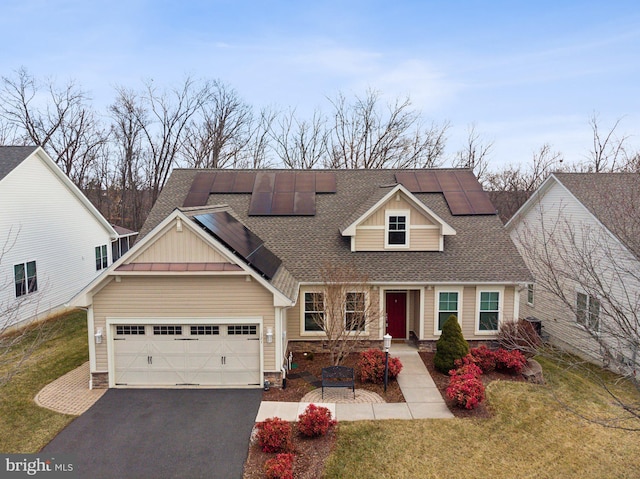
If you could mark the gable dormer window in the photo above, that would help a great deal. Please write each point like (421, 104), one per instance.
(397, 229)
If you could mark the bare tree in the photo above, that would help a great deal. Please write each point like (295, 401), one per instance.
(345, 309)
(589, 282)
(366, 135)
(300, 143)
(608, 149)
(215, 137)
(474, 154)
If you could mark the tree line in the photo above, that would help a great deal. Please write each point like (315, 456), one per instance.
(122, 157)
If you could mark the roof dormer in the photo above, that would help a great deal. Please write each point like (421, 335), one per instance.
(398, 222)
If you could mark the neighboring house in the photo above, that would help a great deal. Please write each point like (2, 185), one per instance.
(53, 241)
(225, 278)
(580, 236)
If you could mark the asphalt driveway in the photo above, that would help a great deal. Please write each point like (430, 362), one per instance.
(162, 433)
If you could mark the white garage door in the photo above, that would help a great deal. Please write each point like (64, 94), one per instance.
(225, 355)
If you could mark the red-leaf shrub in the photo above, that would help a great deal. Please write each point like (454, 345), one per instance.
(279, 467)
(371, 366)
(274, 435)
(315, 421)
(484, 357)
(466, 369)
(510, 361)
(466, 390)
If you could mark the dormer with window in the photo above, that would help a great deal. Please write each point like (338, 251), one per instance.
(398, 222)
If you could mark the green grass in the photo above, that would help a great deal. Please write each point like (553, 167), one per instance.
(531, 435)
(24, 426)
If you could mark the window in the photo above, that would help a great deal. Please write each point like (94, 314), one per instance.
(489, 310)
(447, 305)
(313, 311)
(25, 278)
(397, 230)
(530, 294)
(242, 330)
(129, 330)
(355, 318)
(205, 330)
(588, 311)
(101, 257)
(167, 330)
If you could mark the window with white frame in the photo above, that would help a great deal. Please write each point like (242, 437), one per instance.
(447, 305)
(25, 278)
(355, 315)
(530, 294)
(397, 229)
(588, 311)
(489, 311)
(101, 257)
(313, 311)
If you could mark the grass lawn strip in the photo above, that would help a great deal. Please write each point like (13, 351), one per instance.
(24, 426)
(530, 436)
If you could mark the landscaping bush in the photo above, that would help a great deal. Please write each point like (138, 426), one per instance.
(274, 435)
(371, 366)
(465, 368)
(484, 357)
(450, 346)
(510, 361)
(279, 467)
(520, 335)
(315, 421)
(466, 390)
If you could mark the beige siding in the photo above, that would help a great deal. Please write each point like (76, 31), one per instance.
(429, 305)
(509, 296)
(205, 298)
(369, 240)
(378, 216)
(180, 247)
(424, 239)
(469, 307)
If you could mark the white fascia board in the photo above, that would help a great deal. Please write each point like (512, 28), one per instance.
(533, 199)
(446, 229)
(55, 169)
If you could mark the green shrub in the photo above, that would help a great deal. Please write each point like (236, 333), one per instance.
(450, 346)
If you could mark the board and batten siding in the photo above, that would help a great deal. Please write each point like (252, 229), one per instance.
(174, 246)
(45, 222)
(206, 298)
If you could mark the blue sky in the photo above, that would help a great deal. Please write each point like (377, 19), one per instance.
(525, 73)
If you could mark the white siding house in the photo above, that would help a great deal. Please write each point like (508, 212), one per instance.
(51, 237)
(578, 235)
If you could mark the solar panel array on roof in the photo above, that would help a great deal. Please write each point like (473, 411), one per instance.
(462, 191)
(241, 241)
(200, 189)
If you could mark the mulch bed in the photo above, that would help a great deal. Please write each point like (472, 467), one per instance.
(307, 376)
(442, 382)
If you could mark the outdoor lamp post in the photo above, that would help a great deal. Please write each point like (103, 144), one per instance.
(387, 345)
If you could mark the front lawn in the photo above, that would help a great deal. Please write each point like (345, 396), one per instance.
(24, 426)
(530, 435)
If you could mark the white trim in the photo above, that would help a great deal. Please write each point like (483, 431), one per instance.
(500, 291)
(407, 229)
(383, 302)
(303, 331)
(92, 340)
(436, 305)
(421, 315)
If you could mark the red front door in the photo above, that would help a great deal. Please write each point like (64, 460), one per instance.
(397, 314)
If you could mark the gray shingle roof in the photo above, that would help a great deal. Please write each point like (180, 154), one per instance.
(481, 251)
(613, 198)
(12, 156)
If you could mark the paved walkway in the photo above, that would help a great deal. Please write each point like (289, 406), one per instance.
(70, 394)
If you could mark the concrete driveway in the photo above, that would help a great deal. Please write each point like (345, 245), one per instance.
(145, 433)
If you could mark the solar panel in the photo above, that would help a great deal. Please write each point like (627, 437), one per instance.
(408, 180)
(199, 193)
(428, 182)
(282, 203)
(480, 203)
(325, 182)
(224, 182)
(305, 181)
(261, 203)
(241, 241)
(285, 182)
(264, 182)
(458, 202)
(304, 203)
(244, 182)
(448, 180)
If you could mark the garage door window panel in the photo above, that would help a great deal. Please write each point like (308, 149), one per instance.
(128, 330)
(205, 330)
(167, 330)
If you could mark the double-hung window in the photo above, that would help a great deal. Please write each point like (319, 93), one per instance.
(489, 311)
(397, 229)
(355, 318)
(588, 311)
(313, 312)
(448, 304)
(101, 257)
(530, 294)
(25, 278)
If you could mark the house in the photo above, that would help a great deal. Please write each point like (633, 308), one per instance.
(226, 279)
(53, 241)
(580, 236)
